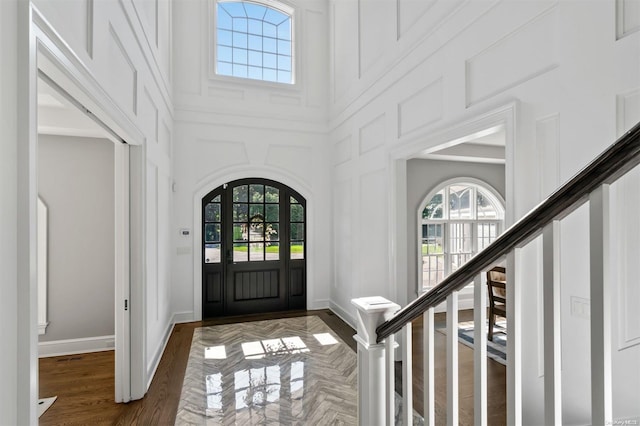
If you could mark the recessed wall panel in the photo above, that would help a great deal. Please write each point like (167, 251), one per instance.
(627, 17)
(148, 13)
(298, 160)
(410, 12)
(342, 151)
(377, 25)
(188, 70)
(628, 110)
(373, 239)
(343, 234)
(372, 135)
(123, 78)
(547, 139)
(148, 116)
(345, 46)
(516, 58)
(214, 155)
(420, 109)
(315, 58)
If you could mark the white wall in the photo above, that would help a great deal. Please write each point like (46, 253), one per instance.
(76, 182)
(424, 176)
(228, 129)
(405, 70)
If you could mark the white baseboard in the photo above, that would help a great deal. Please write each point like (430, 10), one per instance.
(76, 346)
(180, 317)
(319, 304)
(155, 361)
(343, 314)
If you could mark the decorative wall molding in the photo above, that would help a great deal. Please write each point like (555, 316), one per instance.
(342, 151)
(526, 53)
(76, 346)
(42, 254)
(285, 100)
(295, 159)
(225, 93)
(372, 135)
(628, 110)
(409, 12)
(548, 142)
(422, 108)
(124, 85)
(627, 17)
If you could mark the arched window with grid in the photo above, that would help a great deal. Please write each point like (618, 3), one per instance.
(456, 221)
(254, 40)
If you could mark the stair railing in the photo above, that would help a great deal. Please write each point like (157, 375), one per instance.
(379, 319)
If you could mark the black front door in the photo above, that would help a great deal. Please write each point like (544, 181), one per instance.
(253, 249)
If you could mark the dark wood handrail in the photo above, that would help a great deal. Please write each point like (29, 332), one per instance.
(614, 162)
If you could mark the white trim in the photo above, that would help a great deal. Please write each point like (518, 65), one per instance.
(76, 346)
(343, 314)
(503, 115)
(230, 174)
(153, 365)
(182, 317)
(42, 230)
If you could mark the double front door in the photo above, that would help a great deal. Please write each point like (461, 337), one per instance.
(253, 249)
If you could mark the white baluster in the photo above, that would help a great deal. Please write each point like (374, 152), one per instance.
(452, 359)
(428, 366)
(514, 345)
(601, 386)
(372, 389)
(390, 379)
(407, 376)
(552, 331)
(479, 353)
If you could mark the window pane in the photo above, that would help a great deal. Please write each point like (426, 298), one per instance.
(255, 231)
(273, 213)
(225, 54)
(240, 232)
(216, 199)
(256, 252)
(240, 56)
(225, 68)
(284, 63)
(274, 16)
(212, 232)
(240, 212)
(212, 212)
(255, 73)
(224, 38)
(256, 213)
(284, 30)
(459, 202)
(269, 60)
(240, 40)
(271, 232)
(224, 19)
(269, 30)
(241, 193)
(284, 76)
(269, 45)
(297, 213)
(271, 195)
(434, 208)
(297, 231)
(256, 193)
(484, 207)
(240, 70)
(297, 250)
(212, 253)
(234, 9)
(269, 75)
(284, 47)
(240, 24)
(255, 58)
(255, 43)
(272, 251)
(240, 252)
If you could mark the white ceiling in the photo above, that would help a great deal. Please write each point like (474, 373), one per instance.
(58, 116)
(486, 146)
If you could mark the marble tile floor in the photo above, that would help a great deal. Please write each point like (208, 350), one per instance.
(289, 371)
(293, 371)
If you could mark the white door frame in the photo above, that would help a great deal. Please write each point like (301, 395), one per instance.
(505, 115)
(42, 49)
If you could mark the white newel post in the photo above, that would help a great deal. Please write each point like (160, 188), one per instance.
(372, 311)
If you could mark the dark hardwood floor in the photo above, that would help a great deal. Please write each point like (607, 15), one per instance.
(84, 383)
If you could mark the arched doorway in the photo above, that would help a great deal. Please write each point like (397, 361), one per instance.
(253, 248)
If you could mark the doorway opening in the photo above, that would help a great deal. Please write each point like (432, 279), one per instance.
(253, 248)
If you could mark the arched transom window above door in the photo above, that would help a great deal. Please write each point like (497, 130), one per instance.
(456, 221)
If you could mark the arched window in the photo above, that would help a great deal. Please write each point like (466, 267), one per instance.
(254, 40)
(456, 222)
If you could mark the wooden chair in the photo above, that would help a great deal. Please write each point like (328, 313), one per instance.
(496, 284)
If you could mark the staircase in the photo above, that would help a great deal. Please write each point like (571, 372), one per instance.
(379, 320)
